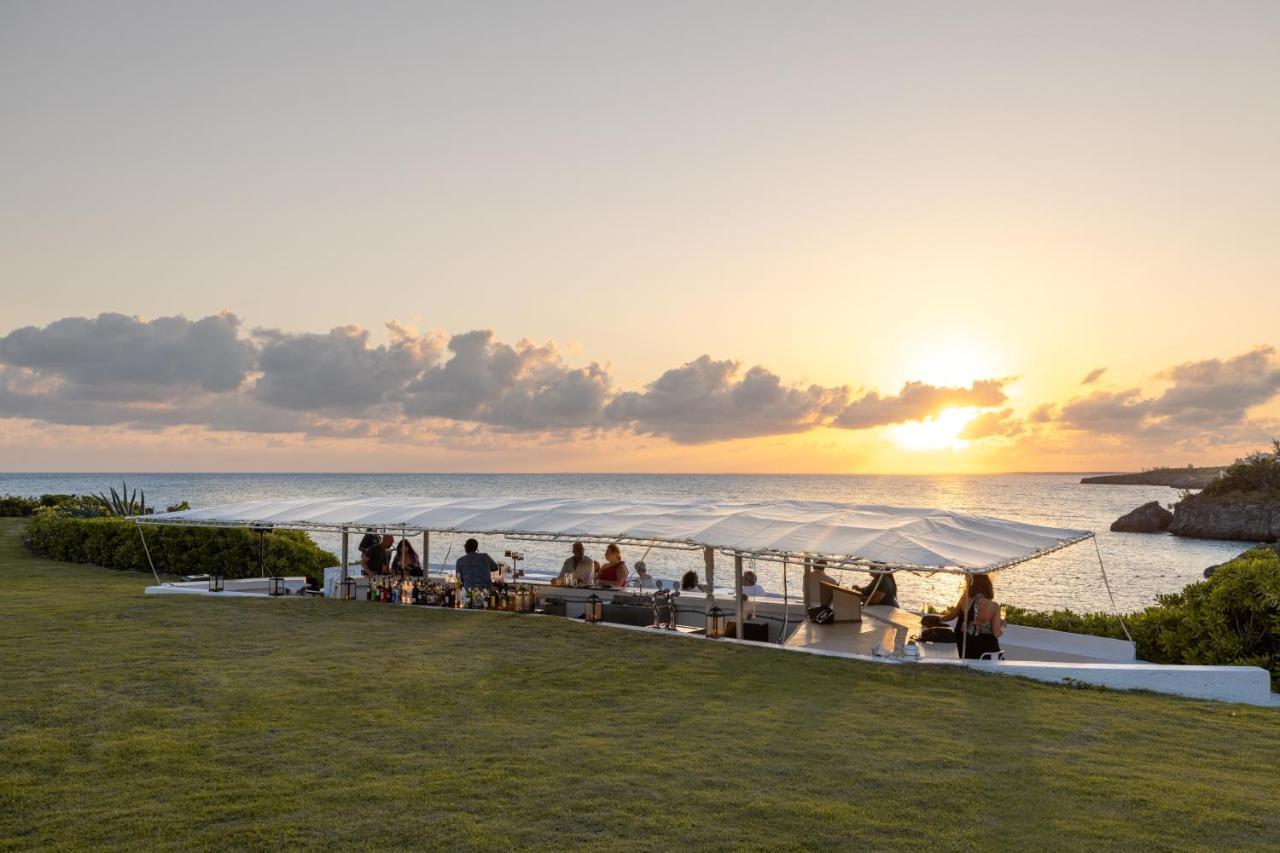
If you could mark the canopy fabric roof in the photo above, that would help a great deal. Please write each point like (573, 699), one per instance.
(883, 536)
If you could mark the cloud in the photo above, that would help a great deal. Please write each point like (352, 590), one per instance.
(708, 400)
(1215, 392)
(525, 387)
(1041, 414)
(1212, 395)
(339, 371)
(113, 357)
(918, 400)
(474, 391)
(1000, 424)
(1093, 376)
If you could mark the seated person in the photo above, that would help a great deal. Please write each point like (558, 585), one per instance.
(645, 580)
(750, 584)
(577, 569)
(406, 560)
(882, 589)
(613, 573)
(817, 594)
(979, 623)
(689, 582)
(474, 567)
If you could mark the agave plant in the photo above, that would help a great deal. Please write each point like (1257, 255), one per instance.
(123, 503)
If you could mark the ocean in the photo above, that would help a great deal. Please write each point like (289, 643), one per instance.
(1140, 566)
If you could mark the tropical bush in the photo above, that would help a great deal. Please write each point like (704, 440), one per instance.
(1254, 478)
(1233, 618)
(115, 543)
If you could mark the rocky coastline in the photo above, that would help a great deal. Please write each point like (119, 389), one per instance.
(1246, 522)
(1177, 478)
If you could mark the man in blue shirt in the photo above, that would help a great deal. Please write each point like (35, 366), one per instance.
(474, 567)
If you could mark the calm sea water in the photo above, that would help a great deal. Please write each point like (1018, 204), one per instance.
(1140, 565)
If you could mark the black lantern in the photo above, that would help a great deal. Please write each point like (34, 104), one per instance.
(277, 585)
(216, 581)
(716, 623)
(594, 611)
(348, 588)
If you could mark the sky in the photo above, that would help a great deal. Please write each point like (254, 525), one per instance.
(741, 236)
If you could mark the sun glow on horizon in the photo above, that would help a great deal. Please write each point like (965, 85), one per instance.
(937, 433)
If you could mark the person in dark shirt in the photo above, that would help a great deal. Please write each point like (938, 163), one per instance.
(474, 567)
(370, 557)
(882, 589)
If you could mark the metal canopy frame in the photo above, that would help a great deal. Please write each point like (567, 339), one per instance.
(850, 562)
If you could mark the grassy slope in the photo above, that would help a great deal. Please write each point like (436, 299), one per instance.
(182, 722)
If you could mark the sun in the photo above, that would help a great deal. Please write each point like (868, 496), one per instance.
(941, 432)
(949, 363)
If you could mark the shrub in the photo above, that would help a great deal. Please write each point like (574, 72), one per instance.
(1233, 618)
(1256, 477)
(115, 544)
(85, 506)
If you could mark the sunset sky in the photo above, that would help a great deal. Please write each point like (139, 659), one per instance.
(738, 236)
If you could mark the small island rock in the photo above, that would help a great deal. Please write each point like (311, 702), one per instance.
(1148, 518)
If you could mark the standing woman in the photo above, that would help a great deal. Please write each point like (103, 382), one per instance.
(406, 560)
(978, 622)
(614, 571)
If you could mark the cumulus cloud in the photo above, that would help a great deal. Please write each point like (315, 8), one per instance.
(112, 357)
(1000, 424)
(474, 390)
(1093, 376)
(1041, 414)
(521, 387)
(918, 400)
(1209, 395)
(339, 371)
(708, 400)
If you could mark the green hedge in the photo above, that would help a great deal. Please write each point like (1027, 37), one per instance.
(1233, 618)
(17, 506)
(114, 543)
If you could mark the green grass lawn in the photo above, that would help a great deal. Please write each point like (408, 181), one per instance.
(175, 722)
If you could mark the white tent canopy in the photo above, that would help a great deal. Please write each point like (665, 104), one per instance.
(887, 537)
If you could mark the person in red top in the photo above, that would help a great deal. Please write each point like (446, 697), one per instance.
(613, 573)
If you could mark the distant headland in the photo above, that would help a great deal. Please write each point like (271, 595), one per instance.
(1178, 478)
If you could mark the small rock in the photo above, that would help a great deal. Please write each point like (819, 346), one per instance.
(1148, 518)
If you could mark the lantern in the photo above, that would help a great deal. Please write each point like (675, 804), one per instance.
(348, 588)
(277, 585)
(716, 624)
(216, 581)
(594, 611)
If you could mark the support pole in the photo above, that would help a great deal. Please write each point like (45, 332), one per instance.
(147, 550)
(709, 560)
(426, 554)
(737, 594)
(346, 558)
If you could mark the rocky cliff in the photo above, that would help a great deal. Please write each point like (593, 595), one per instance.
(1248, 522)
